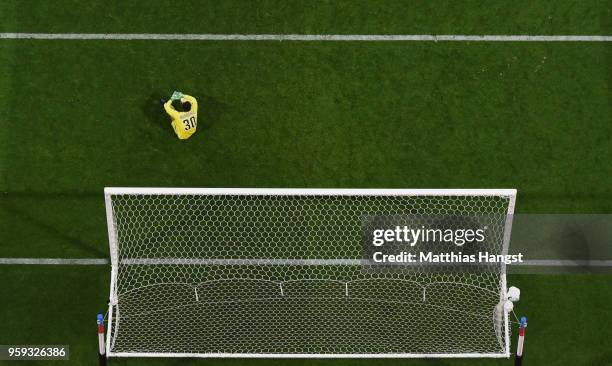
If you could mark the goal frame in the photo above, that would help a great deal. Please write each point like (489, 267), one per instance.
(110, 220)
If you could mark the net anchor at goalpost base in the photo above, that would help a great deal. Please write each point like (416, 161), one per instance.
(101, 345)
(518, 360)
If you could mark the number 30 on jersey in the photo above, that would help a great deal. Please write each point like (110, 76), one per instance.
(189, 123)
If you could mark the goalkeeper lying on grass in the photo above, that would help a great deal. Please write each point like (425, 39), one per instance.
(186, 121)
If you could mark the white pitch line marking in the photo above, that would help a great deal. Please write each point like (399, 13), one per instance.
(55, 261)
(310, 37)
(566, 263)
(191, 261)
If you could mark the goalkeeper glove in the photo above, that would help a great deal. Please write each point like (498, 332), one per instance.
(176, 95)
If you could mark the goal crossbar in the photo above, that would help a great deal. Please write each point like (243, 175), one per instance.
(309, 191)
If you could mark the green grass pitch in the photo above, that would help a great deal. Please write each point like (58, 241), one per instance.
(81, 115)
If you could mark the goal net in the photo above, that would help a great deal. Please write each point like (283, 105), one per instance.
(282, 273)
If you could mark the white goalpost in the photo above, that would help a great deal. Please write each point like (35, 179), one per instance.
(215, 272)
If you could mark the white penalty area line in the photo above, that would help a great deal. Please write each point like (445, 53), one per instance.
(161, 261)
(310, 37)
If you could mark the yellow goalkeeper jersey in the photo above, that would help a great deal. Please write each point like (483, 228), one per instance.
(184, 123)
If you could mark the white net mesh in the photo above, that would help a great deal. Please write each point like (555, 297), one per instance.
(246, 274)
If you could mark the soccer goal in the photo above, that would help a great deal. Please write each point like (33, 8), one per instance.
(281, 273)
